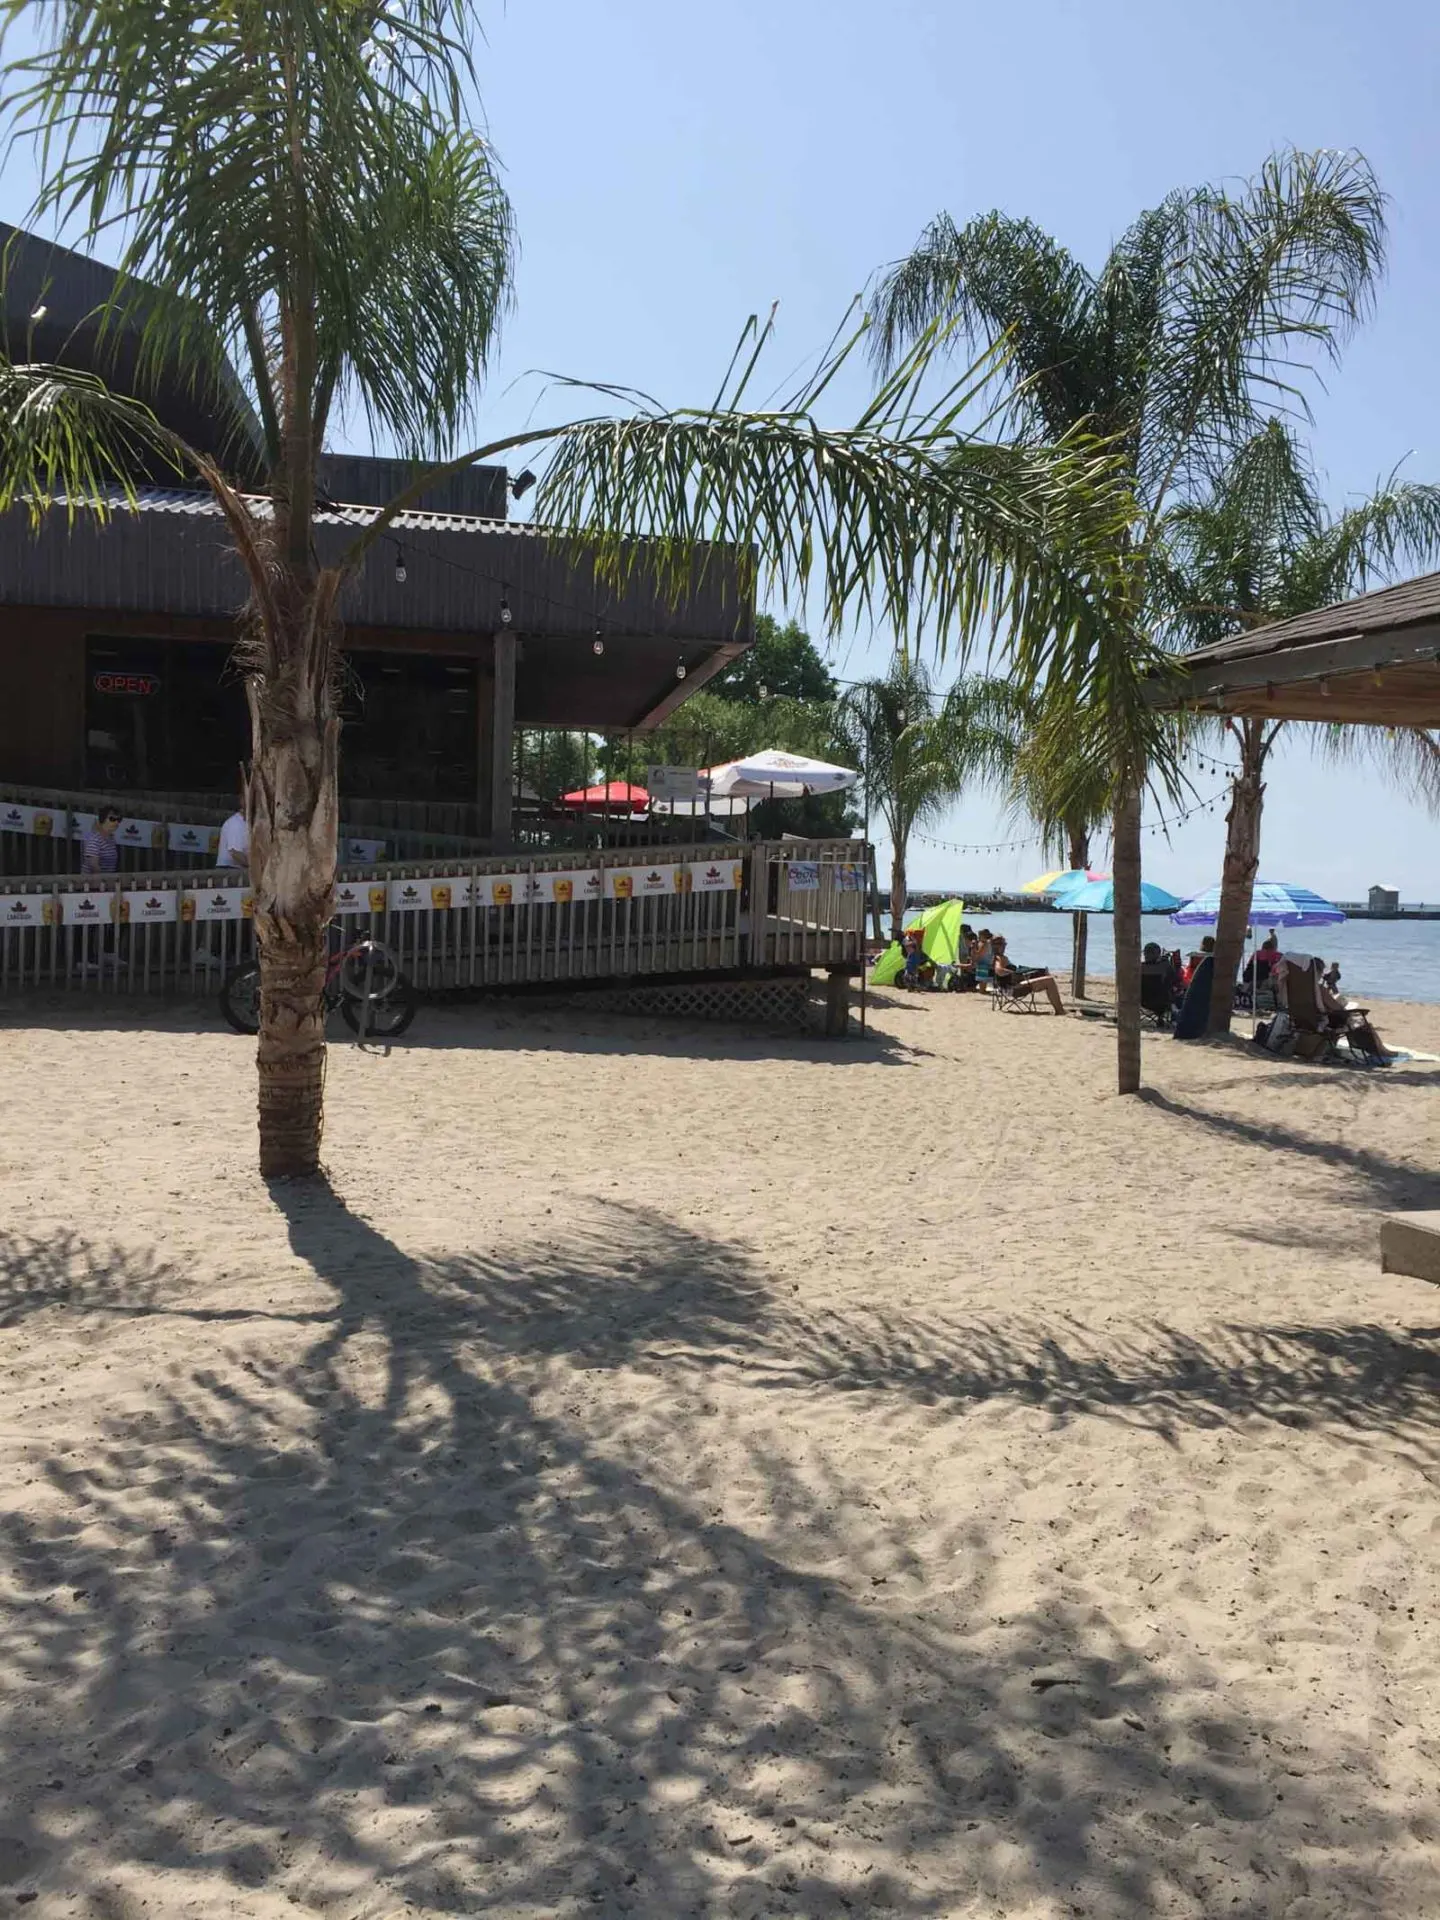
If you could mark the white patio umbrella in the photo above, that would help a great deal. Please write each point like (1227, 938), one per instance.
(773, 775)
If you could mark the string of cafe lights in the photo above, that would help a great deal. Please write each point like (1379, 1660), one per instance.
(607, 628)
(1162, 825)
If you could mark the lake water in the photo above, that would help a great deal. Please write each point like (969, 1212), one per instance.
(1391, 959)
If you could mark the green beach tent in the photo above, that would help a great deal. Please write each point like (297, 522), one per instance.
(889, 967)
(940, 940)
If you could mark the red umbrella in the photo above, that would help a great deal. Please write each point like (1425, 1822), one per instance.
(613, 796)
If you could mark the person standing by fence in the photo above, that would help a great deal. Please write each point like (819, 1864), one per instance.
(98, 851)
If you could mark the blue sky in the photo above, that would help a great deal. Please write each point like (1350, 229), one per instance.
(676, 168)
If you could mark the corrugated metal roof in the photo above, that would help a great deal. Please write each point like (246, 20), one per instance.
(1411, 603)
(169, 553)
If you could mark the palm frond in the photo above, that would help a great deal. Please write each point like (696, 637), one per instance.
(1285, 264)
(1408, 756)
(906, 516)
(1001, 281)
(290, 186)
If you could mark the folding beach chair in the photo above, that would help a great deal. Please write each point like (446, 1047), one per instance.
(1005, 999)
(1157, 991)
(1318, 1033)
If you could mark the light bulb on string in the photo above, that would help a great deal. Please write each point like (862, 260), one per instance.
(506, 616)
(400, 565)
(597, 645)
(679, 669)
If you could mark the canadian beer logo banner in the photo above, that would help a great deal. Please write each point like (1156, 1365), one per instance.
(426, 893)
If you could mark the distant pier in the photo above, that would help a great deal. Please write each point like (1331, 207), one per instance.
(988, 901)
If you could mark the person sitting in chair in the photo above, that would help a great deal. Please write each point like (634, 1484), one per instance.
(1158, 983)
(1267, 958)
(1022, 984)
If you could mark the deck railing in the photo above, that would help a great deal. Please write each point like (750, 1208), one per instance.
(501, 921)
(40, 830)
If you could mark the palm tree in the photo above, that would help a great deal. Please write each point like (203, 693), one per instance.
(299, 190)
(1167, 352)
(893, 734)
(915, 756)
(1263, 547)
(1039, 756)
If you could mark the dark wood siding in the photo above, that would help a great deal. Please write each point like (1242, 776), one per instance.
(42, 706)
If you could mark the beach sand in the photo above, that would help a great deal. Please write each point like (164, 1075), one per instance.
(673, 1473)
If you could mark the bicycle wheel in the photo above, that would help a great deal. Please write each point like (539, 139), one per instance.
(385, 1018)
(240, 998)
(369, 971)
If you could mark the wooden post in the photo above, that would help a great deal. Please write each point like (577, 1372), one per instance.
(837, 1004)
(502, 743)
(484, 748)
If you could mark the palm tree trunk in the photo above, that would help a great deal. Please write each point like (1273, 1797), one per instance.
(898, 891)
(899, 888)
(294, 821)
(1079, 922)
(1237, 882)
(1127, 935)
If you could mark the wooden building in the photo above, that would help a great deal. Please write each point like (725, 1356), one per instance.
(116, 632)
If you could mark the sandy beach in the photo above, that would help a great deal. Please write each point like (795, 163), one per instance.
(673, 1473)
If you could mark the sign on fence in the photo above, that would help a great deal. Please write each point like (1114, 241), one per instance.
(150, 909)
(217, 903)
(193, 839)
(141, 833)
(26, 910)
(87, 909)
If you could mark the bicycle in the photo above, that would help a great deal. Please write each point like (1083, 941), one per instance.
(363, 980)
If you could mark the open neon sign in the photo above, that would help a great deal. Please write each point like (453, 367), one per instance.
(138, 684)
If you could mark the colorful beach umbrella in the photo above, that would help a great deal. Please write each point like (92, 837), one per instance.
(1098, 896)
(774, 775)
(1062, 877)
(1273, 903)
(611, 796)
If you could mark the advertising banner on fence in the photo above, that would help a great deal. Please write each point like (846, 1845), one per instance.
(26, 910)
(581, 883)
(535, 890)
(150, 909)
(81, 823)
(715, 876)
(361, 896)
(87, 909)
(15, 818)
(849, 878)
(361, 852)
(217, 903)
(803, 876)
(141, 833)
(409, 896)
(193, 839)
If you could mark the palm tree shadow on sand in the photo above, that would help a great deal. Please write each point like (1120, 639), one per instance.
(425, 1639)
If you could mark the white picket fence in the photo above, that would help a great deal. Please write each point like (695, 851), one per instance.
(504, 921)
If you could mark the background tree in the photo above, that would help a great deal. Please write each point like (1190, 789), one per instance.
(780, 693)
(301, 188)
(1041, 759)
(915, 755)
(1195, 318)
(1263, 547)
(550, 761)
(783, 664)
